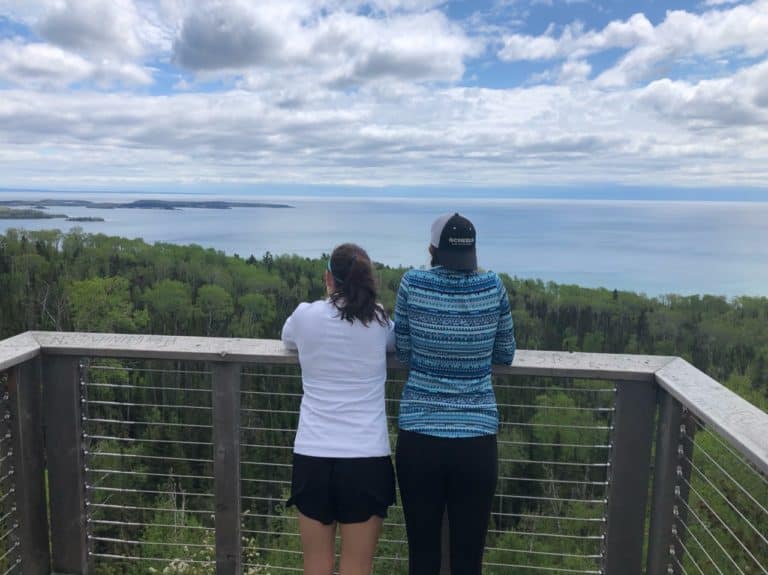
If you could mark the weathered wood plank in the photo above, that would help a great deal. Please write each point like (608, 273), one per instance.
(741, 423)
(664, 483)
(629, 475)
(614, 367)
(165, 347)
(703, 395)
(18, 349)
(226, 465)
(25, 401)
(66, 475)
(542, 363)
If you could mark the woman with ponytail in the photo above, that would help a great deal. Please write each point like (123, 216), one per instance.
(342, 470)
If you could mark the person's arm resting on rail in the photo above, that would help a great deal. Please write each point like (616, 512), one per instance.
(289, 329)
(402, 328)
(504, 346)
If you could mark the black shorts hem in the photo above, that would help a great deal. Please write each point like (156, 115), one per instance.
(308, 511)
(343, 490)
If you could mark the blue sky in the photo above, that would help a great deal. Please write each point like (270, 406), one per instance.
(386, 94)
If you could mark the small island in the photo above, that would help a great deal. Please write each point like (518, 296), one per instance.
(141, 204)
(37, 209)
(27, 214)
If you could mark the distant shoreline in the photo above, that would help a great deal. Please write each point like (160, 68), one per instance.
(450, 193)
(138, 204)
(37, 209)
(7, 213)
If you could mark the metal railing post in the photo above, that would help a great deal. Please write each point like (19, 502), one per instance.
(660, 537)
(25, 402)
(629, 475)
(226, 466)
(684, 452)
(66, 472)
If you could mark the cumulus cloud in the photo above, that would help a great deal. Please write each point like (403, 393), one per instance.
(738, 100)
(574, 71)
(339, 43)
(41, 65)
(104, 42)
(741, 29)
(358, 92)
(413, 48)
(227, 36)
(341, 48)
(45, 66)
(574, 41)
(401, 134)
(99, 26)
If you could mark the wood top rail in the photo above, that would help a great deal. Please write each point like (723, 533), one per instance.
(740, 422)
(527, 362)
(744, 425)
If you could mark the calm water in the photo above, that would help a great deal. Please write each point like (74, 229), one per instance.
(650, 247)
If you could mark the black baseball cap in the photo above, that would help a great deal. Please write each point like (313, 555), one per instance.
(454, 238)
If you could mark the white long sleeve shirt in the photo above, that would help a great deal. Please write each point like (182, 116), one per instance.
(343, 371)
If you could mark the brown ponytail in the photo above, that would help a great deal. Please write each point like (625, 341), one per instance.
(356, 292)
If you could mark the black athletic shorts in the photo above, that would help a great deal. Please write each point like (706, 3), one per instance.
(347, 490)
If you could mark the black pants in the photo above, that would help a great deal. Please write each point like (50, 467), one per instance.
(435, 473)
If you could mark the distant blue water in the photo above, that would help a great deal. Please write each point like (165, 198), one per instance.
(645, 246)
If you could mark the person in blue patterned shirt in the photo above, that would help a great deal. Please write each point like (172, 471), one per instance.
(452, 322)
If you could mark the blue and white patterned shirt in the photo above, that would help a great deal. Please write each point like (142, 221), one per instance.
(450, 327)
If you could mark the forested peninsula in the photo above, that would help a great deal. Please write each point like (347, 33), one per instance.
(147, 204)
(37, 209)
(149, 422)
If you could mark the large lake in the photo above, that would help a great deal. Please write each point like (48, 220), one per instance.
(651, 247)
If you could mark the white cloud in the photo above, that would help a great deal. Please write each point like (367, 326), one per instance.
(574, 41)
(574, 71)
(342, 92)
(230, 35)
(100, 41)
(340, 48)
(741, 29)
(46, 66)
(340, 43)
(41, 65)
(95, 27)
(724, 103)
(398, 134)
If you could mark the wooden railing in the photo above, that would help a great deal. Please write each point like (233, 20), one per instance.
(661, 401)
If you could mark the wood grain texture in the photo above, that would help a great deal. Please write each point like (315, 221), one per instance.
(742, 424)
(542, 363)
(18, 349)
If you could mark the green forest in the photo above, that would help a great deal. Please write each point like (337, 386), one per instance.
(148, 423)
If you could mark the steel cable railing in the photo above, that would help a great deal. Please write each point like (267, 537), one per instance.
(549, 514)
(10, 559)
(721, 507)
(147, 436)
(554, 455)
(148, 447)
(136, 452)
(270, 399)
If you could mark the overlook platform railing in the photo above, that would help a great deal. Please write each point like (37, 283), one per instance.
(136, 454)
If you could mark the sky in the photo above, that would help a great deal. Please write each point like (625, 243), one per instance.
(391, 94)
